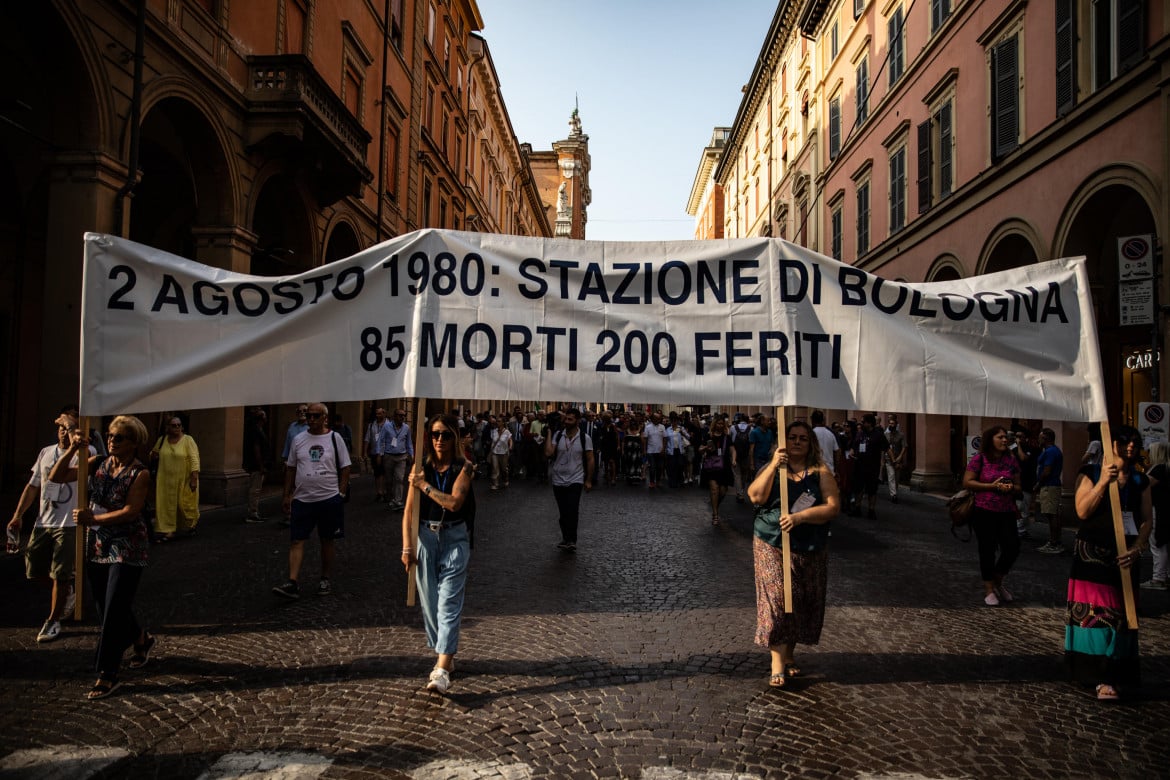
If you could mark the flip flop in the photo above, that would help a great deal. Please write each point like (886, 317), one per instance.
(792, 670)
(102, 688)
(142, 653)
(778, 680)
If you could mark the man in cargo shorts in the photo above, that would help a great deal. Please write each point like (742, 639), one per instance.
(50, 552)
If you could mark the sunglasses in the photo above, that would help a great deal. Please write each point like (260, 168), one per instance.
(442, 435)
(314, 415)
(116, 438)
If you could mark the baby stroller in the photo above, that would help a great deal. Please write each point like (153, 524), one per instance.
(632, 459)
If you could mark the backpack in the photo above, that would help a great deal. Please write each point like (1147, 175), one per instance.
(742, 438)
(960, 507)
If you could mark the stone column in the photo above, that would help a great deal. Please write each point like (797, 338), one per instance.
(932, 454)
(220, 432)
(82, 195)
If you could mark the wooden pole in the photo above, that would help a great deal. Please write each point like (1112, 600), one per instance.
(1118, 527)
(80, 534)
(786, 549)
(420, 434)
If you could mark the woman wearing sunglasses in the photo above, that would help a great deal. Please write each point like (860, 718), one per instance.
(1099, 644)
(442, 484)
(118, 541)
(812, 502)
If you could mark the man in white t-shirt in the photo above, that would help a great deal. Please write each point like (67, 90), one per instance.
(653, 443)
(827, 439)
(316, 480)
(50, 552)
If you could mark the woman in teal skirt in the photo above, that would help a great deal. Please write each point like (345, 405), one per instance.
(1100, 646)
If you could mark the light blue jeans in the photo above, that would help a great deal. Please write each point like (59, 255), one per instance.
(442, 579)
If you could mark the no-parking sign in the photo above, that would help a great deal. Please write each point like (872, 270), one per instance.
(1154, 422)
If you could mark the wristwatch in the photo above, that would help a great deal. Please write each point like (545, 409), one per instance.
(428, 490)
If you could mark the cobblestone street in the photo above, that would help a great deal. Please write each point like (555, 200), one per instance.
(633, 658)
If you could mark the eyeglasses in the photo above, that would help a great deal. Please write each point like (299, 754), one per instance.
(301, 411)
(116, 438)
(442, 435)
(314, 415)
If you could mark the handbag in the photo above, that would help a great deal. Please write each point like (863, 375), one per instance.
(960, 506)
(713, 462)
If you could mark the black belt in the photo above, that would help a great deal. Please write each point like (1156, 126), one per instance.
(439, 525)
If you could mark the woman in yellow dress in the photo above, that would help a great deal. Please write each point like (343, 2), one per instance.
(176, 495)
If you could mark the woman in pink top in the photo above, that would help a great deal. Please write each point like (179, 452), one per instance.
(994, 477)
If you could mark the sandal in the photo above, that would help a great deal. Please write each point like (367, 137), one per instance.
(103, 688)
(142, 653)
(1106, 692)
(792, 670)
(716, 521)
(778, 680)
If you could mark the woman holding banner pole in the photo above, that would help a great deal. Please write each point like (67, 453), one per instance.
(813, 501)
(442, 482)
(117, 549)
(1100, 646)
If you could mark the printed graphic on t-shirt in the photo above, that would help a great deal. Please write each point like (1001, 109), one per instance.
(316, 452)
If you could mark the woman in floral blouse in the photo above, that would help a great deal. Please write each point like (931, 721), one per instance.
(117, 548)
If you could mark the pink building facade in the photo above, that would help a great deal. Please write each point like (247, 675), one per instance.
(945, 139)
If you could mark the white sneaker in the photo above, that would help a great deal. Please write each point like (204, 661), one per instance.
(70, 603)
(50, 631)
(991, 600)
(440, 680)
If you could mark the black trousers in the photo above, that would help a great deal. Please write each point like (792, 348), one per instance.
(114, 587)
(569, 505)
(995, 532)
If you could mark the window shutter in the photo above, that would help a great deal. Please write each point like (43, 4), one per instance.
(924, 163)
(834, 128)
(1005, 98)
(1131, 33)
(1066, 73)
(945, 153)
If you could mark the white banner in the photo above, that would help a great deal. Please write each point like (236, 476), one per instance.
(444, 314)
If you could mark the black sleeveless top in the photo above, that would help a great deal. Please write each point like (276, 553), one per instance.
(429, 511)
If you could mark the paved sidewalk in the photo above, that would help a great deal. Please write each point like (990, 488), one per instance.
(633, 658)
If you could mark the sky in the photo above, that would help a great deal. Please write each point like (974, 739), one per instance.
(652, 78)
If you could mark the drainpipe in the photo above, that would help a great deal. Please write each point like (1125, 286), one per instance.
(127, 190)
(382, 124)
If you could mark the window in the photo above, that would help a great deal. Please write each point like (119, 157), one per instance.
(431, 24)
(430, 115)
(862, 91)
(396, 24)
(940, 11)
(426, 204)
(834, 127)
(897, 189)
(896, 53)
(836, 221)
(1119, 38)
(833, 42)
(351, 89)
(392, 163)
(935, 156)
(296, 16)
(858, 8)
(1005, 97)
(862, 218)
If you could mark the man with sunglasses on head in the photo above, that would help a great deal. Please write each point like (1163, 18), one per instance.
(316, 480)
(570, 454)
(50, 552)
